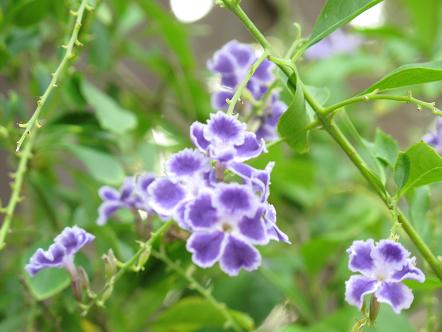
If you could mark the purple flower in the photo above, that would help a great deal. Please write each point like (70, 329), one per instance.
(338, 42)
(435, 138)
(232, 62)
(382, 267)
(113, 200)
(225, 139)
(269, 120)
(61, 253)
(226, 223)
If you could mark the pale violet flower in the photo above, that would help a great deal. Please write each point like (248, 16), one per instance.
(435, 138)
(382, 267)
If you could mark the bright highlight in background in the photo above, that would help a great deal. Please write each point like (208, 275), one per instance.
(372, 18)
(191, 11)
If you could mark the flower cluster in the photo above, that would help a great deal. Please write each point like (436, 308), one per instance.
(435, 138)
(226, 219)
(61, 253)
(338, 42)
(231, 63)
(382, 267)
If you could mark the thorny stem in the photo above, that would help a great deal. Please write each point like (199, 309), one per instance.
(232, 102)
(69, 54)
(26, 154)
(16, 185)
(194, 284)
(289, 69)
(132, 263)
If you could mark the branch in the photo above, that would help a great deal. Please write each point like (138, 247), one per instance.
(26, 154)
(289, 69)
(132, 264)
(69, 54)
(374, 96)
(194, 284)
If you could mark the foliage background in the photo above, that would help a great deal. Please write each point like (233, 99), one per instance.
(139, 82)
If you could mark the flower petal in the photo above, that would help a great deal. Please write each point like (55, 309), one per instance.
(197, 136)
(409, 271)
(396, 295)
(41, 259)
(107, 209)
(250, 148)
(143, 182)
(221, 62)
(73, 239)
(389, 256)
(219, 99)
(107, 193)
(187, 163)
(206, 248)
(254, 229)
(127, 189)
(200, 214)
(357, 287)
(166, 196)
(224, 129)
(264, 72)
(273, 230)
(235, 200)
(239, 255)
(360, 259)
(243, 54)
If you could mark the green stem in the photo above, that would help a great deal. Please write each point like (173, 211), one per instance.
(25, 155)
(105, 292)
(341, 140)
(194, 284)
(373, 96)
(69, 54)
(243, 84)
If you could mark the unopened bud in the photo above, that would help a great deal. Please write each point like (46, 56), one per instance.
(374, 309)
(110, 264)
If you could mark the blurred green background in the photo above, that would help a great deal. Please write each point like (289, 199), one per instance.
(139, 81)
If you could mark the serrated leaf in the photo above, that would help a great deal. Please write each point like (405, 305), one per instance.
(336, 13)
(418, 166)
(293, 122)
(416, 73)
(103, 167)
(110, 115)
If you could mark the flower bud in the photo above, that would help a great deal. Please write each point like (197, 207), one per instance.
(110, 264)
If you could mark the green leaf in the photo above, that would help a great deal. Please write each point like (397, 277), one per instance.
(47, 282)
(336, 13)
(103, 167)
(419, 204)
(192, 313)
(430, 284)
(416, 73)
(293, 122)
(384, 148)
(418, 166)
(110, 115)
(29, 12)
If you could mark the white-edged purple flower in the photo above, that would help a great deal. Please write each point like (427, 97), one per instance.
(339, 42)
(382, 267)
(232, 62)
(435, 138)
(113, 199)
(224, 138)
(61, 253)
(226, 224)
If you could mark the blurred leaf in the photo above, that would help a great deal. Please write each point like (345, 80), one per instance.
(419, 204)
(47, 282)
(293, 122)
(430, 284)
(336, 13)
(316, 253)
(416, 73)
(426, 20)
(384, 147)
(29, 12)
(191, 313)
(418, 166)
(110, 115)
(103, 167)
